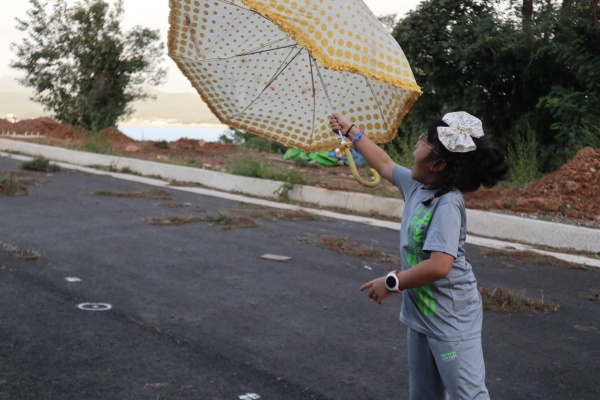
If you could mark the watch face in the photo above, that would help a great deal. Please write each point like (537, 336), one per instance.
(391, 281)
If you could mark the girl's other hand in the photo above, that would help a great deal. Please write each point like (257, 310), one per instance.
(378, 290)
(339, 122)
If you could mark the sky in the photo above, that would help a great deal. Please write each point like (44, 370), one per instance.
(152, 14)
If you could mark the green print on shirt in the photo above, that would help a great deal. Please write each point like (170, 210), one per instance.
(416, 236)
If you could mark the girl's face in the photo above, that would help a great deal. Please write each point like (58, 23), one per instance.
(423, 168)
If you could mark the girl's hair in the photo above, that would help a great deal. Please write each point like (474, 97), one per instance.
(467, 171)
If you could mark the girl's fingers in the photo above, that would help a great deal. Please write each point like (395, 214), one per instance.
(366, 286)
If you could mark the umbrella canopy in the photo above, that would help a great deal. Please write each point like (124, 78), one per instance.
(256, 64)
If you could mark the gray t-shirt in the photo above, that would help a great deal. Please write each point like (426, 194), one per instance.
(450, 308)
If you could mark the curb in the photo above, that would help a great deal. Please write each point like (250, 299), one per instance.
(481, 223)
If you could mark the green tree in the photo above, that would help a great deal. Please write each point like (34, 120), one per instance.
(81, 65)
(524, 67)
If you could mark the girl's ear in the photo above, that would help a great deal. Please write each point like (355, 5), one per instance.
(438, 166)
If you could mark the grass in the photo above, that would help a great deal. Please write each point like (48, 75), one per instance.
(154, 194)
(344, 245)
(501, 299)
(237, 218)
(531, 257)
(10, 186)
(594, 298)
(228, 222)
(14, 183)
(251, 165)
(95, 142)
(40, 164)
(175, 220)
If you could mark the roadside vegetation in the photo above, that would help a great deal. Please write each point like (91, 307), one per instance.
(501, 299)
(40, 164)
(154, 194)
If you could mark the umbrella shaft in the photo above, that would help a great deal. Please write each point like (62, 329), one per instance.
(326, 94)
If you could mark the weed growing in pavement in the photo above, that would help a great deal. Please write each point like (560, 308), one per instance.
(175, 220)
(127, 170)
(173, 205)
(228, 222)
(344, 245)
(40, 164)
(21, 253)
(274, 214)
(9, 186)
(531, 257)
(594, 298)
(154, 194)
(501, 299)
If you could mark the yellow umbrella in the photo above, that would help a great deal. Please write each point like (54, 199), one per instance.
(257, 65)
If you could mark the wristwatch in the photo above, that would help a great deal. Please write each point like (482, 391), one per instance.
(392, 283)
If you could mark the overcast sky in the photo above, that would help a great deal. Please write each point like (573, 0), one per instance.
(152, 14)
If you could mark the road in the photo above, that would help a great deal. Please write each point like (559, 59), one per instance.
(98, 303)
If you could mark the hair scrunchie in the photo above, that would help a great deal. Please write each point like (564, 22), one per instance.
(457, 136)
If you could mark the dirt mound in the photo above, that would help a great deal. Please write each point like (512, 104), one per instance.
(55, 130)
(43, 126)
(570, 191)
(116, 136)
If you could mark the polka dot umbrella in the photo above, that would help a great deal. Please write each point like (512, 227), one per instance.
(279, 68)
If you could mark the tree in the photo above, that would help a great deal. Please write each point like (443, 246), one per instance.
(81, 65)
(530, 70)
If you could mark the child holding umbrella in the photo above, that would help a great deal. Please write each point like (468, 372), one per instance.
(441, 305)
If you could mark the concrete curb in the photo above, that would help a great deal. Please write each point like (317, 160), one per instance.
(494, 225)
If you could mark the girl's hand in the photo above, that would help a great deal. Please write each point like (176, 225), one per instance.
(378, 290)
(339, 122)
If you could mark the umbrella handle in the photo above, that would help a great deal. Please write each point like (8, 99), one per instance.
(360, 179)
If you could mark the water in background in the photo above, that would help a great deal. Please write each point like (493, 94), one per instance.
(171, 133)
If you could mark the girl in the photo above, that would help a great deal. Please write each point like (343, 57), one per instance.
(441, 305)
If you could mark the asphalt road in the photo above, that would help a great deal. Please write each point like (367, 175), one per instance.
(193, 311)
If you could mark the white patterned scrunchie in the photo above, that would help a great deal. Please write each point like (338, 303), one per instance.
(456, 137)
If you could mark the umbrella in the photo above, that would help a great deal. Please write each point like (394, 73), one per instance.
(279, 68)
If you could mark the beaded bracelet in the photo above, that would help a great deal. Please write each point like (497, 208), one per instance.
(357, 137)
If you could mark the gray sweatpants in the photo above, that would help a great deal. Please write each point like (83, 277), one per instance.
(441, 370)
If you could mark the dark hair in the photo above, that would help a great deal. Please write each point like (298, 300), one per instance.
(467, 171)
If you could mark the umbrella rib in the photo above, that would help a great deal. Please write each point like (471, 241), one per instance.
(280, 69)
(249, 53)
(312, 81)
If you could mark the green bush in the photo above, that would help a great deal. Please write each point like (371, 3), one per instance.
(97, 143)
(524, 160)
(161, 144)
(251, 141)
(40, 164)
(252, 166)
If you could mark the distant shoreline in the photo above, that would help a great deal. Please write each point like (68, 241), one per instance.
(172, 124)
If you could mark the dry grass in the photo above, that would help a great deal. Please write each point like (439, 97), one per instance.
(594, 298)
(175, 220)
(501, 299)
(530, 257)
(21, 253)
(228, 222)
(154, 194)
(14, 183)
(344, 245)
(274, 214)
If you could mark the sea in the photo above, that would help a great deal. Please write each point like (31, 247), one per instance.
(171, 133)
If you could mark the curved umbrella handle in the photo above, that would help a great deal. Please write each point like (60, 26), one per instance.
(359, 178)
